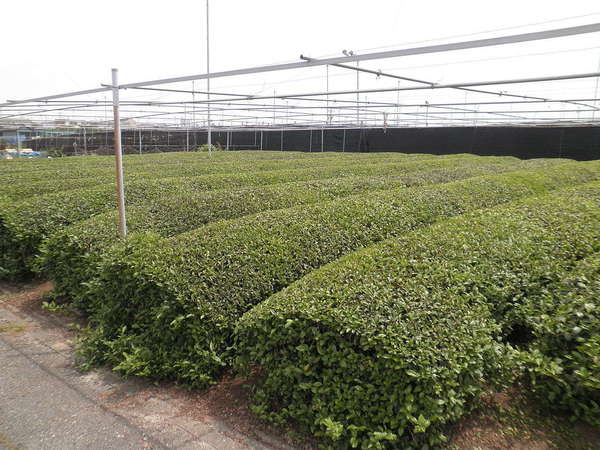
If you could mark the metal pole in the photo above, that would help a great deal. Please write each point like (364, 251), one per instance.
(357, 95)
(322, 138)
(194, 107)
(18, 143)
(398, 106)
(84, 141)
(596, 92)
(261, 139)
(118, 155)
(328, 112)
(140, 140)
(208, 78)
(310, 142)
(344, 141)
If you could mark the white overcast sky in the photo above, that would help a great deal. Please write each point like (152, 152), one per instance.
(64, 45)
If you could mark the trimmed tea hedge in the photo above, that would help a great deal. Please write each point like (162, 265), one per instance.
(18, 185)
(24, 165)
(27, 164)
(23, 190)
(564, 357)
(383, 347)
(25, 224)
(167, 307)
(70, 257)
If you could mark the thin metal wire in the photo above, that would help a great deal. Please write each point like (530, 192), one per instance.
(307, 108)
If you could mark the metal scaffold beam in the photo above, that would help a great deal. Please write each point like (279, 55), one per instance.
(438, 48)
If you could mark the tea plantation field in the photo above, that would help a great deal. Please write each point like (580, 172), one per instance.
(375, 297)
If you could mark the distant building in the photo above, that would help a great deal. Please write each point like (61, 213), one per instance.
(13, 137)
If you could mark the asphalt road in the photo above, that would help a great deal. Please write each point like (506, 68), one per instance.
(46, 403)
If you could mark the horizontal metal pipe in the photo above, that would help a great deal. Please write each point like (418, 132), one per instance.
(373, 104)
(340, 125)
(447, 86)
(187, 92)
(379, 73)
(502, 40)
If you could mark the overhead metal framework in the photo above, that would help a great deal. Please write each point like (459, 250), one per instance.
(410, 101)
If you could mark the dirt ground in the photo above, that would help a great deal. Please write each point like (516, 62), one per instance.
(100, 409)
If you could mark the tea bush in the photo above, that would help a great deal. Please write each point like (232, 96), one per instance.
(382, 348)
(167, 307)
(563, 358)
(20, 184)
(25, 224)
(70, 256)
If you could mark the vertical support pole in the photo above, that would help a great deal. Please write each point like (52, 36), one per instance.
(328, 111)
(560, 145)
(84, 141)
(18, 143)
(322, 138)
(187, 139)
(261, 139)
(344, 141)
(281, 140)
(357, 96)
(106, 125)
(398, 105)
(140, 140)
(227, 144)
(310, 142)
(118, 155)
(208, 79)
(596, 93)
(194, 109)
